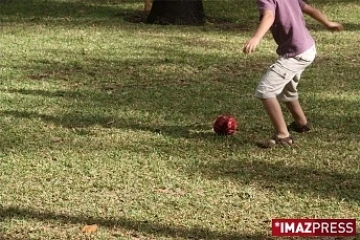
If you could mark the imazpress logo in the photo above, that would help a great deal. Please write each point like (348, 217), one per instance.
(313, 227)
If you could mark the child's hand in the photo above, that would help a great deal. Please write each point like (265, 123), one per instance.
(250, 46)
(334, 26)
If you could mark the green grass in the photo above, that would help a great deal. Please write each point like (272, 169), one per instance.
(108, 121)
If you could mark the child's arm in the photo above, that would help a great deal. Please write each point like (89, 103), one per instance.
(266, 22)
(320, 17)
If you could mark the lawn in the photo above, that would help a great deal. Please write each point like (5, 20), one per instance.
(107, 121)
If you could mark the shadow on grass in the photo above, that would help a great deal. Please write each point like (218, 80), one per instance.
(78, 12)
(144, 227)
(345, 121)
(303, 180)
(232, 16)
(81, 120)
(32, 10)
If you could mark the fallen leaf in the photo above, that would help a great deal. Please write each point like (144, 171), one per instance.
(164, 190)
(89, 228)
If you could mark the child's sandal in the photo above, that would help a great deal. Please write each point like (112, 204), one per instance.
(300, 129)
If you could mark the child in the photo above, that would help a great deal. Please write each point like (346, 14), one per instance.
(296, 50)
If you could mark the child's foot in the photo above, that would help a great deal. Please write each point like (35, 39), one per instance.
(300, 129)
(276, 141)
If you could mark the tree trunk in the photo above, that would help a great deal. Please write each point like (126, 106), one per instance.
(147, 6)
(180, 12)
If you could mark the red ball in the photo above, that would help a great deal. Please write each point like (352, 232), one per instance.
(225, 125)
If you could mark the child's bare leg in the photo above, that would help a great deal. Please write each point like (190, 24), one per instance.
(297, 112)
(274, 111)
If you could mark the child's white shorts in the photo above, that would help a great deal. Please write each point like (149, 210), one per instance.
(282, 78)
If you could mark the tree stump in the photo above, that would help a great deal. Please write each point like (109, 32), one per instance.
(178, 12)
